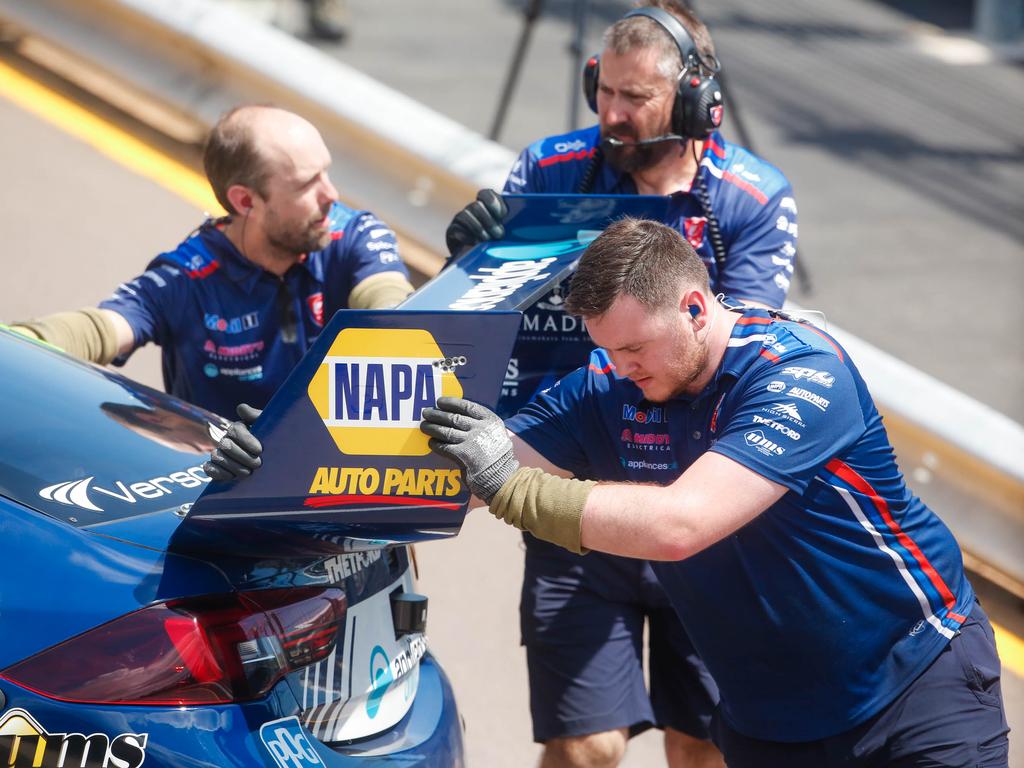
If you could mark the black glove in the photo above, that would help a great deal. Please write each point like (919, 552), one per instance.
(475, 438)
(238, 452)
(477, 222)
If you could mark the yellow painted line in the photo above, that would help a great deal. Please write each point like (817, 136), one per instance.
(1011, 649)
(107, 138)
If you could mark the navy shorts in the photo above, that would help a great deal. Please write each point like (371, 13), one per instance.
(582, 621)
(951, 715)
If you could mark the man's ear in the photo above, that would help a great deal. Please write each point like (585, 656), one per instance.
(241, 199)
(694, 304)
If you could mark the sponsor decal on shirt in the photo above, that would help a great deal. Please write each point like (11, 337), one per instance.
(315, 302)
(650, 416)
(24, 743)
(786, 411)
(822, 378)
(236, 352)
(776, 386)
(644, 464)
(238, 324)
(254, 373)
(816, 400)
(570, 146)
(755, 439)
(693, 228)
(792, 434)
(646, 441)
(785, 225)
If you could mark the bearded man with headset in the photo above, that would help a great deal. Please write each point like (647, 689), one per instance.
(659, 106)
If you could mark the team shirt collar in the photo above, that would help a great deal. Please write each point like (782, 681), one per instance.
(745, 345)
(236, 267)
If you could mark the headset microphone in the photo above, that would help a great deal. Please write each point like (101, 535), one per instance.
(610, 142)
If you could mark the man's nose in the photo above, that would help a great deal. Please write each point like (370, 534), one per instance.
(328, 192)
(614, 111)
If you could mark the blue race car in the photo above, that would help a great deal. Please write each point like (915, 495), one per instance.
(150, 615)
(133, 633)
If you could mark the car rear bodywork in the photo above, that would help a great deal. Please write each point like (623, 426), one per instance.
(98, 477)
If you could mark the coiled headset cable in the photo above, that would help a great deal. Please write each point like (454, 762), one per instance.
(586, 185)
(700, 188)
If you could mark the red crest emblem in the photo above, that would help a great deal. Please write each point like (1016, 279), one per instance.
(693, 227)
(316, 307)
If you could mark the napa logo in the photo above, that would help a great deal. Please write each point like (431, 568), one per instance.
(372, 386)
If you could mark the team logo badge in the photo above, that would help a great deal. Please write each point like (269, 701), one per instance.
(24, 743)
(693, 227)
(372, 405)
(316, 308)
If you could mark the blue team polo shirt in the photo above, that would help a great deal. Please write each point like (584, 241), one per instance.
(231, 332)
(818, 613)
(751, 199)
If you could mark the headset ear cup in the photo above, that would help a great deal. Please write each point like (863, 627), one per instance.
(699, 107)
(591, 70)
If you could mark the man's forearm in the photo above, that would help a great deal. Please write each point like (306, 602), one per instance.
(96, 335)
(380, 291)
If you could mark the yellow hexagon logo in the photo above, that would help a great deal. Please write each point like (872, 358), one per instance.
(373, 385)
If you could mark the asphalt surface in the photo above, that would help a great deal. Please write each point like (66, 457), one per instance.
(908, 171)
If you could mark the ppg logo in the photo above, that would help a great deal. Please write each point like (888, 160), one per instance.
(372, 386)
(288, 744)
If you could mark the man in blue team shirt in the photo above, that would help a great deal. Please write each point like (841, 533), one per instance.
(828, 602)
(237, 304)
(656, 134)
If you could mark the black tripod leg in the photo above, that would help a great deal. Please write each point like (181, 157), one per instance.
(579, 18)
(530, 15)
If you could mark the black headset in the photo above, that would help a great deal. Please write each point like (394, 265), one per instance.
(697, 110)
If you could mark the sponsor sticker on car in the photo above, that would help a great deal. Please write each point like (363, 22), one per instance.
(24, 743)
(372, 404)
(288, 744)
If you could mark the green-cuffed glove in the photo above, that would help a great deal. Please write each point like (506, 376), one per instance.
(238, 452)
(474, 438)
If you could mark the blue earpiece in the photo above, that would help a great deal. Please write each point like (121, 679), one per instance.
(694, 310)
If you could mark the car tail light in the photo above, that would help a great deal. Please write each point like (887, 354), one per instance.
(208, 650)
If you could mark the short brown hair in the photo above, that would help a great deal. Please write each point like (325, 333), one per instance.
(638, 257)
(231, 156)
(639, 32)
